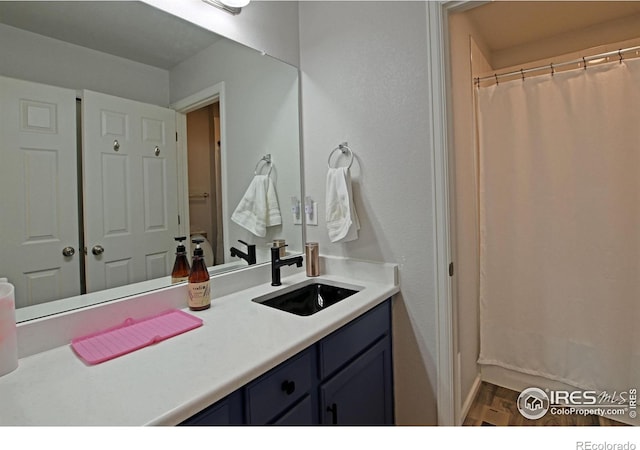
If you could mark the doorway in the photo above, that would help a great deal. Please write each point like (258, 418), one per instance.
(568, 28)
(204, 173)
(202, 164)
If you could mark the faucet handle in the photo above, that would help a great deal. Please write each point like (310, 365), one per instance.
(248, 245)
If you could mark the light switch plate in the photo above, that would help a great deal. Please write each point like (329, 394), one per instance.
(313, 220)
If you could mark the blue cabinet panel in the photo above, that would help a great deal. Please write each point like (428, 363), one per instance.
(361, 393)
(300, 414)
(344, 344)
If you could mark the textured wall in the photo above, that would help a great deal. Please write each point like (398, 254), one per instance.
(364, 80)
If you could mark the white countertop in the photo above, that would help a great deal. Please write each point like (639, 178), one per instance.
(165, 383)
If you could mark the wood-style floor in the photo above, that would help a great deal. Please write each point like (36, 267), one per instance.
(496, 406)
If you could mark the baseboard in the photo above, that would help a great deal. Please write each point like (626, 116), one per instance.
(466, 406)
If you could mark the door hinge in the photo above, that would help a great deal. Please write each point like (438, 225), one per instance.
(178, 219)
(176, 136)
(451, 269)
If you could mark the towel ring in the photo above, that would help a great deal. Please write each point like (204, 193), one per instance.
(264, 160)
(344, 148)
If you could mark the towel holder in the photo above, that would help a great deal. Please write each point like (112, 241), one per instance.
(344, 148)
(266, 159)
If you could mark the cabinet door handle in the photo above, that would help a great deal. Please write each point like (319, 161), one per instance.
(289, 387)
(333, 409)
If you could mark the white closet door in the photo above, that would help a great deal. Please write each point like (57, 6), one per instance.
(130, 194)
(38, 181)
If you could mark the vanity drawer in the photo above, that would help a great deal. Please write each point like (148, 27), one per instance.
(345, 344)
(278, 389)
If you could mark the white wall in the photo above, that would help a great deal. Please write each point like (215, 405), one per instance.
(263, 92)
(33, 57)
(269, 26)
(364, 80)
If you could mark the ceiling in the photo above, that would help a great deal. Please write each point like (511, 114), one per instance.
(129, 29)
(506, 25)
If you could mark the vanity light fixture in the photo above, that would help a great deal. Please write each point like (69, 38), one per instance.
(231, 6)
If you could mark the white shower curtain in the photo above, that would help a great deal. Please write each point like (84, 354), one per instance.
(560, 226)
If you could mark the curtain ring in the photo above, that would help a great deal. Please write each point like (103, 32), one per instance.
(620, 55)
(496, 75)
(522, 73)
(584, 63)
(552, 70)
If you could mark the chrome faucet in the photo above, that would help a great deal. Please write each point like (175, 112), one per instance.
(277, 263)
(249, 257)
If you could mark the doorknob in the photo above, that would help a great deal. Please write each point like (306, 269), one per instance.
(68, 251)
(97, 250)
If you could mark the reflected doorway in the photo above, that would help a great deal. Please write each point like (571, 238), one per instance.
(205, 180)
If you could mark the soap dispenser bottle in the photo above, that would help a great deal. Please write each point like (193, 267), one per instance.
(181, 266)
(198, 285)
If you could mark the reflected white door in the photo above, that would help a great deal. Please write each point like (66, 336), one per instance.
(130, 194)
(38, 181)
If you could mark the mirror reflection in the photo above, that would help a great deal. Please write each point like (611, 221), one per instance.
(123, 133)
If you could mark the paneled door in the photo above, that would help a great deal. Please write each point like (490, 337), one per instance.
(130, 190)
(39, 197)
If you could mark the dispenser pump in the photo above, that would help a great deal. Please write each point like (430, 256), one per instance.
(181, 248)
(181, 266)
(198, 250)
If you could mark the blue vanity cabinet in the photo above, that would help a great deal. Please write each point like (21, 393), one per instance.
(344, 379)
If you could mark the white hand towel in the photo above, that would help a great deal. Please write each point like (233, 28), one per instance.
(342, 220)
(258, 208)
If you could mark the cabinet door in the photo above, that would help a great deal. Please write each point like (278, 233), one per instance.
(227, 411)
(361, 393)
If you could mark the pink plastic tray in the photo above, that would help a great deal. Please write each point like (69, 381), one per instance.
(133, 335)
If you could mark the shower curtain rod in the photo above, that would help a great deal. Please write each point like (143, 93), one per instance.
(582, 62)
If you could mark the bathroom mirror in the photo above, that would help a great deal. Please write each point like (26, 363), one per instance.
(134, 52)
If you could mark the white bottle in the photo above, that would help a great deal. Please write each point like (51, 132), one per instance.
(8, 331)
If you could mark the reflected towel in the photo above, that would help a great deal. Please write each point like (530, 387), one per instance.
(342, 220)
(258, 208)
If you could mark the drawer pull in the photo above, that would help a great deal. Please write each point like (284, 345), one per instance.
(289, 387)
(333, 409)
